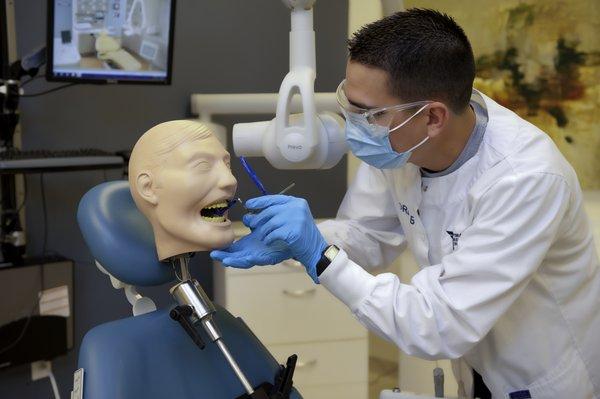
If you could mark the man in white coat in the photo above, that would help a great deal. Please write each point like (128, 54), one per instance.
(509, 280)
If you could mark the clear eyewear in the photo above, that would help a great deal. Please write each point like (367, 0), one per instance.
(375, 118)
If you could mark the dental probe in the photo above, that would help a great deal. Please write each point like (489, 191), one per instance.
(252, 174)
(231, 203)
(285, 190)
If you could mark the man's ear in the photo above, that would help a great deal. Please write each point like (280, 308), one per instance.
(145, 188)
(438, 114)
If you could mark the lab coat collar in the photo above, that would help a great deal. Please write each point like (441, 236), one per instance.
(406, 182)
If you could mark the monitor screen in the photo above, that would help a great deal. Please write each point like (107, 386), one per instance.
(129, 41)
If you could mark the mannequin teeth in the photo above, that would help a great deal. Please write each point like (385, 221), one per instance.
(218, 205)
(214, 219)
(215, 212)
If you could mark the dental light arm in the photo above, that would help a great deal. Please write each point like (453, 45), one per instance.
(301, 141)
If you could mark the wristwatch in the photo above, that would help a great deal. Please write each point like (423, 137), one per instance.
(326, 258)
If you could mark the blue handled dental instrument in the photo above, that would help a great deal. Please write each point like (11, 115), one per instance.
(253, 176)
(258, 183)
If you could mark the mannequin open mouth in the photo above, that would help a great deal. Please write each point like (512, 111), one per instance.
(217, 212)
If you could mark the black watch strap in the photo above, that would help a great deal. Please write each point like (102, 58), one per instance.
(326, 258)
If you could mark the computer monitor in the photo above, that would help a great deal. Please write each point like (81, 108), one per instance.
(110, 41)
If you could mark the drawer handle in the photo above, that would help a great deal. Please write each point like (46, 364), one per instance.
(310, 363)
(299, 293)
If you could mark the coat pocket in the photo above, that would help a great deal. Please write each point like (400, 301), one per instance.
(569, 378)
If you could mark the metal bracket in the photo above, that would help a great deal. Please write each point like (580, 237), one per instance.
(77, 392)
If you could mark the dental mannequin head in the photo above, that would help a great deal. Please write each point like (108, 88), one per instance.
(179, 175)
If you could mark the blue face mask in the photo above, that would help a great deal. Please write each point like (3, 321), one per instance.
(371, 144)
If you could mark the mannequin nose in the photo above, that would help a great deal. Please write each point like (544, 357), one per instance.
(226, 180)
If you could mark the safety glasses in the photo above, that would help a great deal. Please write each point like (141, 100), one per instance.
(376, 118)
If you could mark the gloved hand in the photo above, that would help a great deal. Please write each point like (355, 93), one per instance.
(285, 219)
(250, 251)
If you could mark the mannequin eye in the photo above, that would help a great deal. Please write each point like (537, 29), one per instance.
(201, 164)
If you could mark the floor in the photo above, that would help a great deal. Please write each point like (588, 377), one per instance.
(383, 365)
(383, 374)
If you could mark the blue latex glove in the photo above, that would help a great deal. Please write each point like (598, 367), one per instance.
(250, 251)
(288, 220)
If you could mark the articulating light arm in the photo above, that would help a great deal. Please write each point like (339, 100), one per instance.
(301, 141)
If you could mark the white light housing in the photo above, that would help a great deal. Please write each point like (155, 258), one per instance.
(300, 141)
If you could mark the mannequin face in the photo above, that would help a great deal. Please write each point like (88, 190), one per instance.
(181, 193)
(196, 176)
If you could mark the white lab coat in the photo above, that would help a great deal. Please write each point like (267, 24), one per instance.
(510, 282)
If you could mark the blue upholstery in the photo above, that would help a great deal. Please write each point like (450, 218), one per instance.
(151, 357)
(119, 236)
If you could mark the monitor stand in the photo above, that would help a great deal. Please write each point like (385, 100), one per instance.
(12, 236)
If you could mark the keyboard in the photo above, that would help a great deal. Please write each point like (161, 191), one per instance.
(38, 161)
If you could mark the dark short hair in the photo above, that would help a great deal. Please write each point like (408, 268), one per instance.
(425, 53)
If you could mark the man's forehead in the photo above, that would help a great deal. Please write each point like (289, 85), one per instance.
(368, 87)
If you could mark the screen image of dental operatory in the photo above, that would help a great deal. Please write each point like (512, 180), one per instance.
(287, 199)
(111, 39)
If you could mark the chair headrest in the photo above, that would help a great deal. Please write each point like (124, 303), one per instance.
(119, 236)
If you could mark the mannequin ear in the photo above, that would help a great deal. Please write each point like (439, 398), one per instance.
(438, 114)
(145, 188)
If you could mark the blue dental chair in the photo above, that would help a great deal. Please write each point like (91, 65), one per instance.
(150, 355)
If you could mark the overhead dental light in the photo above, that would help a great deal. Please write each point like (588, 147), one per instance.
(309, 140)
